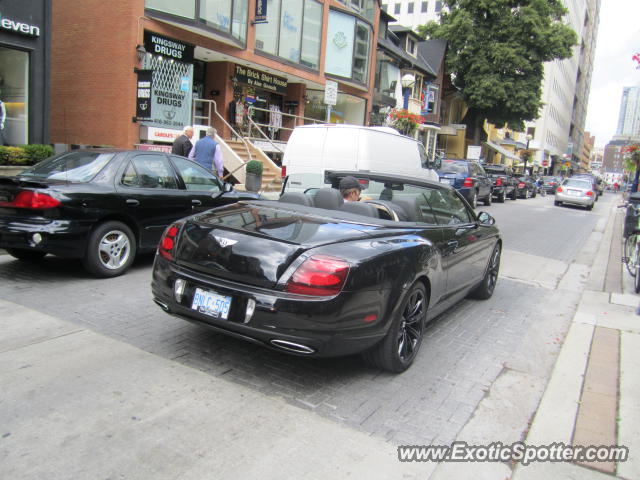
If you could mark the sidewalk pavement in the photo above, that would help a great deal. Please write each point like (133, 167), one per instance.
(76, 404)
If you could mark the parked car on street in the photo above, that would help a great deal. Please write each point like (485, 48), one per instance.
(311, 275)
(576, 191)
(550, 183)
(103, 205)
(504, 183)
(526, 187)
(469, 178)
(595, 181)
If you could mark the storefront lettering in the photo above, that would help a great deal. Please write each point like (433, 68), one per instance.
(261, 79)
(159, 45)
(19, 27)
(168, 98)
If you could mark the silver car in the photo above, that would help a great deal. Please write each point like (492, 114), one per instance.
(576, 192)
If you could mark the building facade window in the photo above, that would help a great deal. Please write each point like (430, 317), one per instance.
(438, 6)
(425, 7)
(430, 95)
(410, 7)
(366, 8)
(348, 108)
(348, 46)
(396, 9)
(411, 46)
(14, 95)
(385, 7)
(225, 16)
(293, 31)
(387, 76)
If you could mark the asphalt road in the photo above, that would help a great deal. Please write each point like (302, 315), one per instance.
(465, 350)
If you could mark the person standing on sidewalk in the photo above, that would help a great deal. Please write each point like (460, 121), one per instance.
(207, 153)
(182, 145)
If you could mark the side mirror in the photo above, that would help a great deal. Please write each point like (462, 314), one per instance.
(485, 219)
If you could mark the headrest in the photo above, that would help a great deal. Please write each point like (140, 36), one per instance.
(328, 198)
(410, 207)
(298, 198)
(358, 208)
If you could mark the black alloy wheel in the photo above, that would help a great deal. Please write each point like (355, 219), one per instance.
(111, 249)
(397, 351)
(486, 287)
(25, 254)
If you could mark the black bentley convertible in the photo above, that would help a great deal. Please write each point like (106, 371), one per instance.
(312, 275)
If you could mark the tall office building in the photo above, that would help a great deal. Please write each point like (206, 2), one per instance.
(558, 132)
(629, 116)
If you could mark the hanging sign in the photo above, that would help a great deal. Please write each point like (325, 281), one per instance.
(331, 92)
(262, 80)
(168, 47)
(261, 11)
(143, 98)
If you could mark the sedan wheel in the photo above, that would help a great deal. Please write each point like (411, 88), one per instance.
(110, 250)
(502, 197)
(396, 352)
(488, 284)
(487, 201)
(474, 200)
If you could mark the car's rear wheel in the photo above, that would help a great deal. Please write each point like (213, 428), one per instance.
(474, 199)
(557, 203)
(502, 197)
(487, 200)
(396, 352)
(111, 250)
(514, 194)
(486, 287)
(25, 254)
(590, 207)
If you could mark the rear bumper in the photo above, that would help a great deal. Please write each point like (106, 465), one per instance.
(59, 237)
(574, 200)
(295, 324)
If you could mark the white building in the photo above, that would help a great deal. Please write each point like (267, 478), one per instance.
(629, 116)
(413, 13)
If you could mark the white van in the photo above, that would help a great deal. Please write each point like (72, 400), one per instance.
(312, 149)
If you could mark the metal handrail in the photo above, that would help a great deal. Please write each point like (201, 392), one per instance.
(215, 110)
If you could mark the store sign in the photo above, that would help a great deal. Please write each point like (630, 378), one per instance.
(258, 79)
(261, 12)
(339, 47)
(18, 27)
(168, 47)
(156, 134)
(143, 98)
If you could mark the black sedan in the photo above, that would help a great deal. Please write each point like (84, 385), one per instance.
(312, 275)
(103, 205)
(527, 187)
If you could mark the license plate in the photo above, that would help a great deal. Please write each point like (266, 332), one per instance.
(447, 180)
(575, 193)
(211, 304)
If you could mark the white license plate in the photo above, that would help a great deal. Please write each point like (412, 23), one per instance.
(447, 180)
(211, 304)
(575, 193)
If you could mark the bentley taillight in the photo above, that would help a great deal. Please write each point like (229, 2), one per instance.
(168, 241)
(468, 182)
(521, 185)
(319, 275)
(498, 182)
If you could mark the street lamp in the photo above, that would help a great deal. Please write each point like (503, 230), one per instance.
(526, 155)
(408, 80)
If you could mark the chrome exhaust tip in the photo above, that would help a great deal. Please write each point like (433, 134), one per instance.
(162, 305)
(292, 347)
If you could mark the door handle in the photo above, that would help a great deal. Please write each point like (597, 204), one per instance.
(133, 202)
(196, 202)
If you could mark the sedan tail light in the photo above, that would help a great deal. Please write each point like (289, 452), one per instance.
(283, 171)
(589, 193)
(468, 182)
(32, 200)
(521, 185)
(168, 241)
(559, 189)
(319, 275)
(498, 182)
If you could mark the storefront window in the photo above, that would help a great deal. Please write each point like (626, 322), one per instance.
(14, 95)
(181, 8)
(347, 50)
(388, 75)
(366, 8)
(348, 108)
(216, 13)
(293, 31)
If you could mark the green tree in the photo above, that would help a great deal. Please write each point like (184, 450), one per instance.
(496, 54)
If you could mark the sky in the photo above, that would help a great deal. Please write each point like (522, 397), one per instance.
(618, 40)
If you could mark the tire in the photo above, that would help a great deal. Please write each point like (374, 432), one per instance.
(514, 194)
(26, 254)
(535, 193)
(589, 207)
(111, 250)
(629, 253)
(557, 203)
(502, 197)
(487, 200)
(474, 200)
(636, 282)
(396, 352)
(485, 288)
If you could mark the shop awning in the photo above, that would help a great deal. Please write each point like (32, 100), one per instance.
(502, 151)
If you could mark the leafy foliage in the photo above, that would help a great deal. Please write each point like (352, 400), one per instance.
(631, 157)
(25, 154)
(497, 50)
(405, 122)
(255, 167)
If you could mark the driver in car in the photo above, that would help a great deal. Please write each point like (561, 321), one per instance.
(350, 189)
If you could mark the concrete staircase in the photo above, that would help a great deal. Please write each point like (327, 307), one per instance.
(271, 173)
